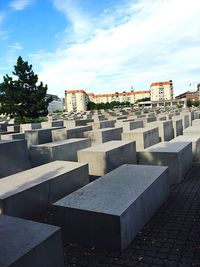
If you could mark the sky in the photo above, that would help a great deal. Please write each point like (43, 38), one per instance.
(103, 46)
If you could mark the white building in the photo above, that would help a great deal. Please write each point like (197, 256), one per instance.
(77, 100)
(161, 91)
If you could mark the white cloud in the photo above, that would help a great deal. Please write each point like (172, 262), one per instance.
(20, 4)
(16, 46)
(146, 41)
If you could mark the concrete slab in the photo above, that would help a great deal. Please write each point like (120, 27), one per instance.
(102, 124)
(195, 144)
(60, 150)
(177, 126)
(104, 135)
(76, 132)
(143, 137)
(14, 136)
(177, 156)
(29, 244)
(39, 136)
(14, 157)
(27, 194)
(105, 157)
(114, 208)
(192, 130)
(129, 125)
(165, 129)
(29, 126)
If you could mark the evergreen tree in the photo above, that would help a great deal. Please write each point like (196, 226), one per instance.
(23, 98)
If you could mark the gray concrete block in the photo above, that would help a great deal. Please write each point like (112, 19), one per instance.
(29, 193)
(29, 244)
(14, 136)
(129, 125)
(39, 136)
(50, 124)
(104, 135)
(177, 126)
(166, 132)
(60, 150)
(29, 126)
(192, 130)
(195, 144)
(102, 124)
(14, 157)
(74, 123)
(114, 208)
(177, 156)
(196, 122)
(143, 137)
(105, 157)
(77, 132)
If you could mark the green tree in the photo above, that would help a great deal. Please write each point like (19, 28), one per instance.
(189, 103)
(23, 98)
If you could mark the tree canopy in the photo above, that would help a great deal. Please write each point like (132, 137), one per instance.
(23, 98)
(107, 105)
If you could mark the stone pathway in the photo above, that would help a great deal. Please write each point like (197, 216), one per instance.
(171, 238)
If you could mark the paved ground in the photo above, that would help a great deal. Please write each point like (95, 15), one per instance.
(171, 238)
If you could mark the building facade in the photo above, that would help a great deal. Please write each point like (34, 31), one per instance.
(161, 91)
(77, 100)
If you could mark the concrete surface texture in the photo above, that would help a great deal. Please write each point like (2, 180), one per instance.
(27, 194)
(14, 157)
(105, 157)
(177, 156)
(165, 129)
(195, 144)
(143, 137)
(60, 150)
(110, 211)
(104, 135)
(30, 244)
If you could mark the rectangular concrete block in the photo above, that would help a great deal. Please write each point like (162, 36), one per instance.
(104, 135)
(143, 137)
(129, 125)
(60, 150)
(196, 122)
(14, 157)
(177, 156)
(177, 126)
(14, 136)
(102, 124)
(76, 132)
(39, 136)
(50, 124)
(192, 130)
(166, 132)
(105, 157)
(123, 201)
(29, 244)
(195, 144)
(27, 194)
(29, 126)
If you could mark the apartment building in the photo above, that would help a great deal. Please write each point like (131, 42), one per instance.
(76, 100)
(161, 91)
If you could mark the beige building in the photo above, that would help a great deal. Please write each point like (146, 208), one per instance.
(161, 91)
(76, 100)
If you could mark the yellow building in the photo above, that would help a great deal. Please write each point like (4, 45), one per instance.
(76, 100)
(162, 91)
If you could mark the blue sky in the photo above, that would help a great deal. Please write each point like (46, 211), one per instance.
(103, 45)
